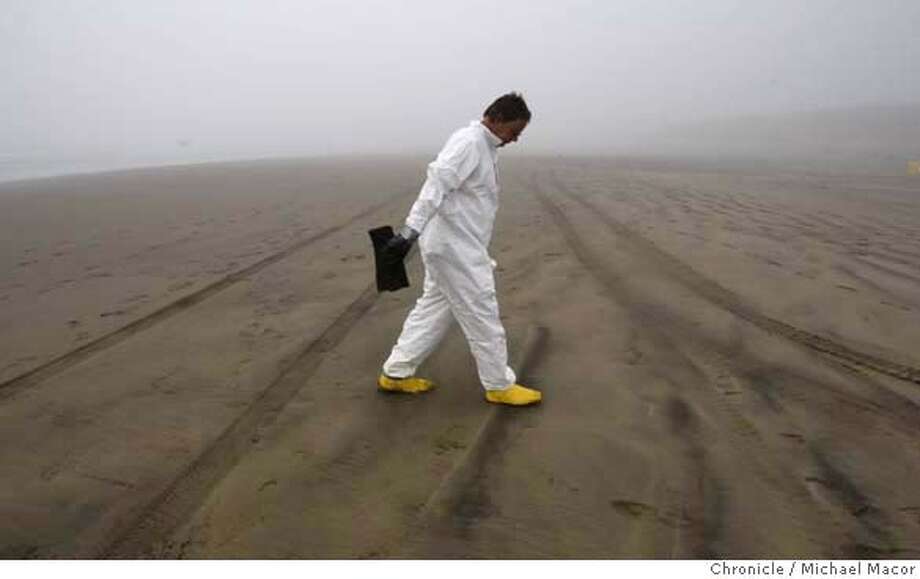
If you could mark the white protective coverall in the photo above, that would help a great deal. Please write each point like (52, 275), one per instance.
(455, 212)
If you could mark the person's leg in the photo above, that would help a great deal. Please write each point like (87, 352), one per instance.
(422, 331)
(478, 316)
(475, 307)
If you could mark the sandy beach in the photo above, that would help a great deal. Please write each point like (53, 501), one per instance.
(728, 359)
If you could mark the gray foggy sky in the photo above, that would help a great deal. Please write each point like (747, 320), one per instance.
(261, 78)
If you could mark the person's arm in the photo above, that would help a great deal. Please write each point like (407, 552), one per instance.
(454, 164)
(446, 174)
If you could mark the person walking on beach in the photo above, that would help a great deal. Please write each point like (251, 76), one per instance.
(452, 220)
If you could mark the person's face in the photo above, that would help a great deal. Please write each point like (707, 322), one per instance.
(508, 131)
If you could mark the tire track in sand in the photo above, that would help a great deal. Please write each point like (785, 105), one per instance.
(870, 535)
(350, 473)
(729, 301)
(697, 532)
(157, 520)
(449, 514)
(64, 361)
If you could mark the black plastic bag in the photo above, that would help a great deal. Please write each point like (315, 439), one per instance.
(391, 274)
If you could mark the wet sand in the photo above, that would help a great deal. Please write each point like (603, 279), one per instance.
(728, 360)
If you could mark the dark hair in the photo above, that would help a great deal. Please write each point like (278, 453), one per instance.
(508, 107)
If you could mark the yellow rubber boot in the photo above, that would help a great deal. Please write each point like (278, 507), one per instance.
(409, 385)
(515, 395)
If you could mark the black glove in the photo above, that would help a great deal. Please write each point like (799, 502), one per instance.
(399, 245)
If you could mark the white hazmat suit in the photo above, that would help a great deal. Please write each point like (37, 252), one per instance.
(455, 212)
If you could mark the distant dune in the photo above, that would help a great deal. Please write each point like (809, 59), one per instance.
(878, 138)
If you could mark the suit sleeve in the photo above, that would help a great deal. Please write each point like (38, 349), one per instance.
(454, 164)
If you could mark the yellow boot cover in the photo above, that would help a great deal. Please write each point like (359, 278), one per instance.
(410, 385)
(516, 395)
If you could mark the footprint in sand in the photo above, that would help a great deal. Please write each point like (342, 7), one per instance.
(634, 509)
(137, 298)
(633, 357)
(112, 313)
(167, 383)
(180, 286)
(912, 512)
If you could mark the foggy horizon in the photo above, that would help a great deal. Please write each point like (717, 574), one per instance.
(230, 80)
